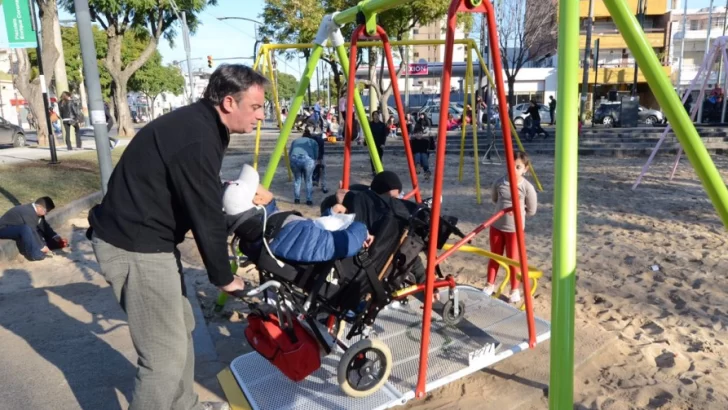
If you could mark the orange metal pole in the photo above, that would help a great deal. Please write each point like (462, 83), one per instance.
(400, 110)
(512, 179)
(349, 129)
(437, 194)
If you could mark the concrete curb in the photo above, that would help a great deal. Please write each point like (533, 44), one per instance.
(58, 217)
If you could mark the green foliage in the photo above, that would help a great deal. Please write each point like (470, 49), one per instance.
(153, 79)
(132, 46)
(287, 85)
(125, 15)
(74, 64)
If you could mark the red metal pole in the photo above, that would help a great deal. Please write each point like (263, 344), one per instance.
(437, 194)
(472, 234)
(508, 146)
(350, 87)
(400, 110)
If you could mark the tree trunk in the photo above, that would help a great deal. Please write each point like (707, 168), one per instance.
(124, 120)
(112, 105)
(30, 88)
(511, 95)
(373, 104)
(151, 106)
(120, 76)
(386, 93)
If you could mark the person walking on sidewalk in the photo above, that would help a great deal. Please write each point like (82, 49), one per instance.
(166, 184)
(552, 108)
(69, 116)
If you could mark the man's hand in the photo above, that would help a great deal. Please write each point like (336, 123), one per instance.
(338, 209)
(368, 242)
(236, 284)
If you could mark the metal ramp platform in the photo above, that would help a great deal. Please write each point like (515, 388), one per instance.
(491, 331)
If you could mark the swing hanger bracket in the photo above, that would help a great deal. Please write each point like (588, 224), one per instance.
(367, 19)
(329, 30)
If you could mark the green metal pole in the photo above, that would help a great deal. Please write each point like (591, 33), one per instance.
(670, 102)
(367, 7)
(291, 119)
(561, 385)
(360, 111)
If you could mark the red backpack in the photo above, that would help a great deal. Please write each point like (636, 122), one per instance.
(292, 349)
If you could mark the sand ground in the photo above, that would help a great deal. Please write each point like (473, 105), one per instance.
(652, 267)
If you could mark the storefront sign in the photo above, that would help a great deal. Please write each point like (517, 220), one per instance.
(418, 69)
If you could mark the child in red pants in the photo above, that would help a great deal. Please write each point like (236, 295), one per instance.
(503, 231)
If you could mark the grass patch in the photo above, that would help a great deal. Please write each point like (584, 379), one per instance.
(75, 177)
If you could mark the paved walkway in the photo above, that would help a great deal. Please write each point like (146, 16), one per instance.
(35, 153)
(65, 341)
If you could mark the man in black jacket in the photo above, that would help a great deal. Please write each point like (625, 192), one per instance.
(69, 116)
(166, 184)
(26, 225)
(379, 133)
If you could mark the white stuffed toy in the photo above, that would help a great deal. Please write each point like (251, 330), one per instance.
(239, 194)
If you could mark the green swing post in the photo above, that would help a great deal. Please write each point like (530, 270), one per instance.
(291, 119)
(561, 384)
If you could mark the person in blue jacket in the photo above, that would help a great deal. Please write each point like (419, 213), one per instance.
(303, 154)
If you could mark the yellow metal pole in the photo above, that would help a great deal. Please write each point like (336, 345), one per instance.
(471, 80)
(462, 126)
(278, 115)
(369, 44)
(274, 87)
(256, 151)
(510, 123)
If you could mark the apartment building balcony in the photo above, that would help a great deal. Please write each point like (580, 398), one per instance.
(619, 74)
(654, 7)
(613, 39)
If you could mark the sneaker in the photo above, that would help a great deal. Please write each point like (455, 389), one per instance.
(325, 190)
(309, 203)
(296, 201)
(515, 296)
(489, 289)
(214, 405)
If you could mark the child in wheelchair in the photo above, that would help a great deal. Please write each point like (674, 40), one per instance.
(343, 268)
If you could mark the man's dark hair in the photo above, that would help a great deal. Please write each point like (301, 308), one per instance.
(232, 79)
(46, 202)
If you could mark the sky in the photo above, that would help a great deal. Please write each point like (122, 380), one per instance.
(235, 38)
(220, 39)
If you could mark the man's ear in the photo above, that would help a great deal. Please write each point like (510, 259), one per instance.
(227, 104)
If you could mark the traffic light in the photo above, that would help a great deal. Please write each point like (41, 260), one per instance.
(209, 61)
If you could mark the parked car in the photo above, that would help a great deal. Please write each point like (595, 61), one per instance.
(432, 113)
(608, 114)
(11, 134)
(519, 114)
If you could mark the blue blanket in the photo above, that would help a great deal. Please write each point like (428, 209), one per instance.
(304, 241)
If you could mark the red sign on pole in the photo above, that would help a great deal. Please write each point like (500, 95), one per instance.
(418, 69)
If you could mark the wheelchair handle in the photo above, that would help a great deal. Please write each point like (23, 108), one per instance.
(242, 294)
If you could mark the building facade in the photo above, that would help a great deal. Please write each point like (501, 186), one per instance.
(434, 53)
(694, 42)
(615, 68)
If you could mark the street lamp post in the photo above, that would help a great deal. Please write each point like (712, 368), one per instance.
(257, 38)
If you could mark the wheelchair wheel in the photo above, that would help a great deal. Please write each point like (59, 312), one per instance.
(448, 313)
(364, 368)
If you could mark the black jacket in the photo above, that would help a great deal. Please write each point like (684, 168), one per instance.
(26, 215)
(533, 112)
(68, 111)
(380, 132)
(167, 183)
